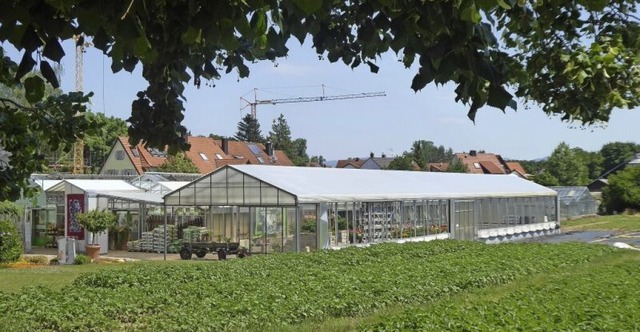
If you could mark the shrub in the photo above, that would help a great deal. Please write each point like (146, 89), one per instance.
(10, 242)
(82, 260)
(37, 260)
(54, 261)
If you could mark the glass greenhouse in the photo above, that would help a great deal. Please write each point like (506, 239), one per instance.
(575, 201)
(284, 209)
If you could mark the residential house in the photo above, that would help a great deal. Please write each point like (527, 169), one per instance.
(372, 162)
(350, 163)
(206, 154)
(437, 167)
(482, 163)
(598, 184)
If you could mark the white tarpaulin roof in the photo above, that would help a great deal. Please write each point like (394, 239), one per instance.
(94, 185)
(133, 196)
(281, 185)
(118, 189)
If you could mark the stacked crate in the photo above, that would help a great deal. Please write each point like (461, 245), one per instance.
(146, 241)
(159, 237)
(193, 234)
(135, 245)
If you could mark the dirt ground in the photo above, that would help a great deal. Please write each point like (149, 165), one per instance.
(127, 254)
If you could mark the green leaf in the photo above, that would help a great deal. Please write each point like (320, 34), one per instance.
(373, 67)
(503, 4)
(499, 97)
(34, 89)
(25, 66)
(471, 14)
(53, 50)
(191, 36)
(49, 74)
(259, 22)
(308, 6)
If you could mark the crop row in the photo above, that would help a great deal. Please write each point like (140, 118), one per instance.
(604, 298)
(281, 289)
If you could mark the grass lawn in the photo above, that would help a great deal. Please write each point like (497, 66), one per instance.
(54, 277)
(621, 223)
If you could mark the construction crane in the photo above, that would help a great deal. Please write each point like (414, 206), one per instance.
(253, 104)
(78, 146)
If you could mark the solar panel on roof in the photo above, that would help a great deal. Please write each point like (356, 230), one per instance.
(255, 149)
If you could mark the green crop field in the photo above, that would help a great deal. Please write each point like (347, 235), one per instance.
(352, 289)
(621, 223)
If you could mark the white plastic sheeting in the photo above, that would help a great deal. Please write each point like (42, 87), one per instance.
(281, 185)
(94, 185)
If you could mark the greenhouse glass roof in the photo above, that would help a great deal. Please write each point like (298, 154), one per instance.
(281, 185)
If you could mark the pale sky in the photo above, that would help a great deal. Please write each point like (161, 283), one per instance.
(356, 127)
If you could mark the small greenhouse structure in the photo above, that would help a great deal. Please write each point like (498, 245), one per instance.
(72, 196)
(288, 209)
(575, 201)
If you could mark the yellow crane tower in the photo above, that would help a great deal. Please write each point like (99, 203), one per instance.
(78, 146)
(253, 104)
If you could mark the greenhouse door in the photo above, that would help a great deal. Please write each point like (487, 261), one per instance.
(463, 220)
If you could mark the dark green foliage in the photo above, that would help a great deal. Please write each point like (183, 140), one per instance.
(12, 209)
(457, 166)
(10, 242)
(622, 192)
(249, 130)
(616, 153)
(404, 163)
(82, 260)
(546, 179)
(576, 59)
(567, 167)
(424, 152)
(178, 163)
(100, 138)
(298, 153)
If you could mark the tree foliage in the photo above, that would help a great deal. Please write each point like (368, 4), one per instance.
(616, 153)
(178, 163)
(623, 191)
(280, 134)
(100, 138)
(576, 59)
(424, 152)
(593, 160)
(457, 166)
(565, 166)
(405, 162)
(249, 130)
(10, 242)
(298, 153)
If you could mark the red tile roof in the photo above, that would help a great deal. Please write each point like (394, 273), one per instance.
(437, 167)
(515, 166)
(352, 162)
(207, 155)
(482, 163)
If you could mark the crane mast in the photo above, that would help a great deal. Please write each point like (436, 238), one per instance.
(253, 104)
(78, 146)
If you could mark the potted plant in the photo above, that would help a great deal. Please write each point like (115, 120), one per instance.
(95, 222)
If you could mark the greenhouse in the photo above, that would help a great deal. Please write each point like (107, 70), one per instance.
(575, 201)
(288, 209)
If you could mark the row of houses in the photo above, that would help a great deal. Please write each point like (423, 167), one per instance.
(476, 162)
(207, 154)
